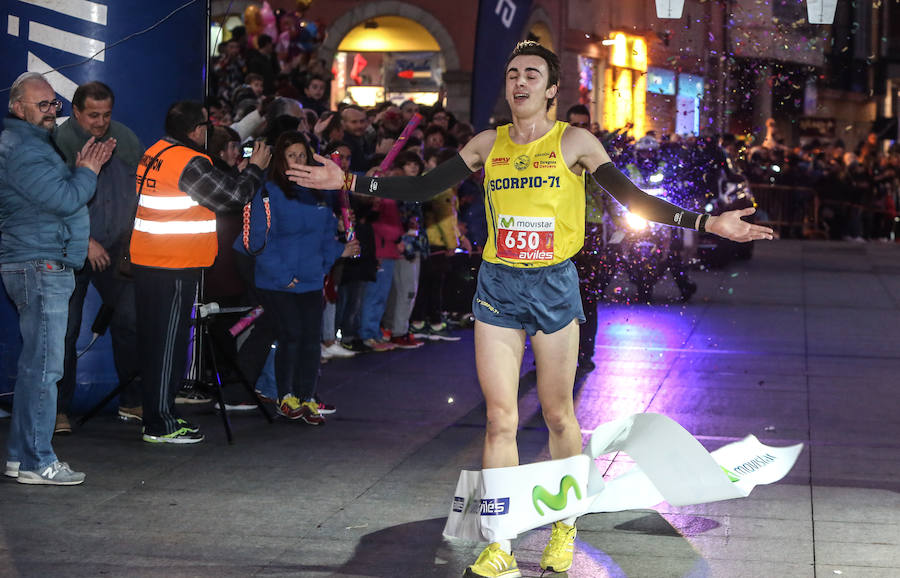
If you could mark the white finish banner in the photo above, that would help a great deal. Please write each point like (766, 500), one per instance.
(670, 465)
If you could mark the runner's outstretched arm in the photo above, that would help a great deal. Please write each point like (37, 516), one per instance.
(594, 158)
(401, 188)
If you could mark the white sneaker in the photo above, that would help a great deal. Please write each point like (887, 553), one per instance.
(12, 469)
(336, 350)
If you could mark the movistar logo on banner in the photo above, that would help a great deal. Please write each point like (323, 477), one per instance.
(730, 474)
(557, 501)
(756, 463)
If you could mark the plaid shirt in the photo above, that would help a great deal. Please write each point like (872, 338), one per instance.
(218, 190)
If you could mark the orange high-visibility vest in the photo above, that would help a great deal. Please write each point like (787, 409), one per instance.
(171, 230)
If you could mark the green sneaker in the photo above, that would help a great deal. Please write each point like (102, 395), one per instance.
(188, 425)
(560, 549)
(179, 436)
(492, 563)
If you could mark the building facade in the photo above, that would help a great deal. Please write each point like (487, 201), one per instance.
(724, 66)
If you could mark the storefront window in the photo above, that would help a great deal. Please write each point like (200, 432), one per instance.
(587, 68)
(690, 92)
(388, 58)
(625, 99)
(660, 81)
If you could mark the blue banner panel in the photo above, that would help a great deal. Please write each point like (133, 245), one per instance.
(10, 345)
(147, 71)
(500, 25)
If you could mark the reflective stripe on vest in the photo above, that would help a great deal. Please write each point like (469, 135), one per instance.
(167, 203)
(175, 227)
(171, 230)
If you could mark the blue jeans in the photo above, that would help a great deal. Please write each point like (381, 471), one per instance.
(41, 290)
(266, 383)
(375, 300)
(346, 316)
(298, 325)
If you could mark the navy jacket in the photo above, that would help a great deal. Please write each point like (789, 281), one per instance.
(43, 204)
(302, 242)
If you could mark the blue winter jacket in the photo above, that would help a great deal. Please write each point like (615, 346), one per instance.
(43, 204)
(302, 241)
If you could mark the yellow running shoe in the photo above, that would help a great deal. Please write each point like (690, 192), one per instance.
(493, 562)
(560, 549)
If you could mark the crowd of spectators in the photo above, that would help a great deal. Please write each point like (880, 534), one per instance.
(820, 188)
(415, 275)
(856, 189)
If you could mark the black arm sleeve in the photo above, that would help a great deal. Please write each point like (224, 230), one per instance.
(640, 203)
(421, 188)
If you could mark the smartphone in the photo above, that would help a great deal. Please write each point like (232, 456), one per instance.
(248, 150)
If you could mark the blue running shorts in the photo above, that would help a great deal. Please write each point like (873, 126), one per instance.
(538, 299)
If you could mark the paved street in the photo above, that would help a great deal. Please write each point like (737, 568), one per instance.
(796, 345)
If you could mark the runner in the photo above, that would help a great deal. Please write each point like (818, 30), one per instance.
(527, 286)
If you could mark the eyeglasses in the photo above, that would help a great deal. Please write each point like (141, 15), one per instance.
(45, 105)
(207, 123)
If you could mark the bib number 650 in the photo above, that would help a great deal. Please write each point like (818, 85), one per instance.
(522, 240)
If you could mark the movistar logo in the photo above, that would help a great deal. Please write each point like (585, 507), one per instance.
(730, 474)
(558, 501)
(507, 222)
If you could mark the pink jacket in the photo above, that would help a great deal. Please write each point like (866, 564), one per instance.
(388, 229)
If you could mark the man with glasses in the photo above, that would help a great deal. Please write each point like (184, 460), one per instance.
(174, 238)
(111, 214)
(43, 238)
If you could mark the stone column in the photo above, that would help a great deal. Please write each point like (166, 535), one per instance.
(459, 90)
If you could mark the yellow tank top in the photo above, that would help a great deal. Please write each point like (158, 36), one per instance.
(533, 203)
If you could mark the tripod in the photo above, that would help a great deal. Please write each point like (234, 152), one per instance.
(204, 348)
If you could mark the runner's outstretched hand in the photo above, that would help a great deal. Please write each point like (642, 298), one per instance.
(327, 177)
(731, 226)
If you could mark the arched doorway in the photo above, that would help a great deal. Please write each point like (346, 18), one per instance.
(401, 38)
(387, 58)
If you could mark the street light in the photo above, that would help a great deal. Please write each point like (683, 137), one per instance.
(818, 11)
(821, 11)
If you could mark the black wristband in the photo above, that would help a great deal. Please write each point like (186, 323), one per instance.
(701, 224)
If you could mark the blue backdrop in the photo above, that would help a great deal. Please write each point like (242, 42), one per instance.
(147, 72)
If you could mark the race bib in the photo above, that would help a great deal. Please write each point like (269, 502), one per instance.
(525, 238)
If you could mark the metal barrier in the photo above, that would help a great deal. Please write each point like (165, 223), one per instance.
(795, 211)
(791, 211)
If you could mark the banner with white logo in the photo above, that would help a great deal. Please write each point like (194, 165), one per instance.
(670, 465)
(150, 53)
(500, 25)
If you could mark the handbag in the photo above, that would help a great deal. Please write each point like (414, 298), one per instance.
(245, 232)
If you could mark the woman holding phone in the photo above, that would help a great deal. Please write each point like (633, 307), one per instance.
(296, 244)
